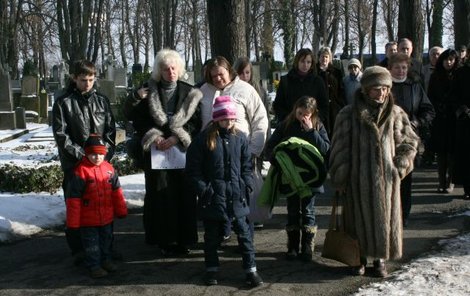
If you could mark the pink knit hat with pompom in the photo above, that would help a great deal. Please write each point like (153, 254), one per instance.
(224, 108)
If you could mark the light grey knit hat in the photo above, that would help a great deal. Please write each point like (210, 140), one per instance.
(375, 75)
(354, 61)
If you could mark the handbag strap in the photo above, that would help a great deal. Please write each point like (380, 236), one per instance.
(333, 216)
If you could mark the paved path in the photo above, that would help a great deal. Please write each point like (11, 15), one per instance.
(42, 266)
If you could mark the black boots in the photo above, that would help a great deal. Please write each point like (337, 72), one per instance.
(293, 242)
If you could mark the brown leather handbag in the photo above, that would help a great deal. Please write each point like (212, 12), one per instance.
(339, 245)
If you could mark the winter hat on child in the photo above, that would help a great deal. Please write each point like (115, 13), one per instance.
(224, 108)
(374, 76)
(94, 144)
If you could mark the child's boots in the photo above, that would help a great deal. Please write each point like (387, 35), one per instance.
(308, 243)
(293, 242)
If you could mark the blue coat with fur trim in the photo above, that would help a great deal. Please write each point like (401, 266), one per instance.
(222, 178)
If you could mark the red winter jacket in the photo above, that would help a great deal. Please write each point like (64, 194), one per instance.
(94, 196)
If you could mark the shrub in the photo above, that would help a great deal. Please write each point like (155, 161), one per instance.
(48, 177)
(23, 179)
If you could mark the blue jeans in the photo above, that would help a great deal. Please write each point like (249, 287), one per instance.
(300, 212)
(97, 244)
(212, 231)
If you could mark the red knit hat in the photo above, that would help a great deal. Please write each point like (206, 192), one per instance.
(224, 108)
(94, 144)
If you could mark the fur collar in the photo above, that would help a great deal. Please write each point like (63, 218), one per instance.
(186, 105)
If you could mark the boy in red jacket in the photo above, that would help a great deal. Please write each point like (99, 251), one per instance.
(93, 198)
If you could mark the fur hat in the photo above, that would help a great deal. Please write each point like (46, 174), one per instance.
(374, 76)
(94, 144)
(354, 61)
(224, 108)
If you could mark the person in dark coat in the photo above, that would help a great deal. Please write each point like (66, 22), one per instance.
(461, 95)
(415, 68)
(165, 115)
(301, 81)
(76, 114)
(333, 79)
(219, 169)
(303, 122)
(442, 136)
(391, 47)
(411, 97)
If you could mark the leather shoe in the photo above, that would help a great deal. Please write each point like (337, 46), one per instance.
(379, 268)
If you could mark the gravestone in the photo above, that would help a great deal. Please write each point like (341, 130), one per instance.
(53, 84)
(15, 86)
(120, 77)
(6, 98)
(137, 68)
(107, 88)
(7, 120)
(189, 77)
(120, 82)
(20, 116)
(63, 70)
(29, 97)
(7, 116)
(43, 106)
(55, 73)
(109, 75)
(29, 86)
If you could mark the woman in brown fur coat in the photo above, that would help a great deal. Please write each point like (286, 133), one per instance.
(373, 148)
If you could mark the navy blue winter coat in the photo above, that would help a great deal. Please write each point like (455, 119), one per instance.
(222, 178)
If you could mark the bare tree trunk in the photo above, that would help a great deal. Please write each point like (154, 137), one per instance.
(267, 41)
(333, 35)
(98, 37)
(172, 29)
(346, 30)
(360, 33)
(462, 22)
(434, 16)
(373, 42)
(323, 23)
(79, 27)
(249, 27)
(288, 27)
(227, 28)
(390, 14)
(410, 25)
(157, 25)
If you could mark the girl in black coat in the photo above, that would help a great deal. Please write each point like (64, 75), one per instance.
(218, 165)
(443, 125)
(303, 122)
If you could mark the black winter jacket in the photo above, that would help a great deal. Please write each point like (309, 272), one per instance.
(74, 117)
(222, 178)
(293, 86)
(412, 98)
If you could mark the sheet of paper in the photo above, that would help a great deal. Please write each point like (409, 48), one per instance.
(172, 158)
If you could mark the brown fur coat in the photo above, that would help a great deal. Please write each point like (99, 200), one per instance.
(373, 148)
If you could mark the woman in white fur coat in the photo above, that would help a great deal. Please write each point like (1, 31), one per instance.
(373, 148)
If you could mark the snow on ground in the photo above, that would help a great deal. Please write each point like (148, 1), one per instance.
(21, 215)
(27, 214)
(440, 273)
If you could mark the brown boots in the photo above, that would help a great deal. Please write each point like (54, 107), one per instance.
(379, 270)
